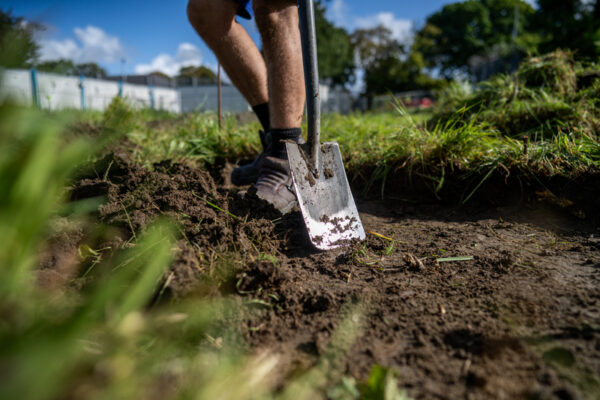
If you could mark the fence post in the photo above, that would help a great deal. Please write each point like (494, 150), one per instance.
(219, 97)
(151, 91)
(35, 92)
(82, 91)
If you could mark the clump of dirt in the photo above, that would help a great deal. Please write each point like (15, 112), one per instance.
(60, 258)
(261, 275)
(309, 178)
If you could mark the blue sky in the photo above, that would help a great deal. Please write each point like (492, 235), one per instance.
(151, 34)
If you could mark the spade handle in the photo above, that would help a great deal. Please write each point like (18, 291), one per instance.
(311, 79)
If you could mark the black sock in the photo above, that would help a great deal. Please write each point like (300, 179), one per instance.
(278, 138)
(262, 112)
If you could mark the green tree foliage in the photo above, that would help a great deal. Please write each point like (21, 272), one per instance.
(557, 21)
(335, 51)
(569, 24)
(62, 67)
(159, 74)
(388, 66)
(462, 30)
(17, 47)
(379, 56)
(202, 73)
(68, 67)
(375, 43)
(91, 70)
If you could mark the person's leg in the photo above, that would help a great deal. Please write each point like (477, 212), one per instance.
(214, 20)
(277, 21)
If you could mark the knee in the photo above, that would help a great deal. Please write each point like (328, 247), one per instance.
(271, 13)
(197, 13)
(208, 15)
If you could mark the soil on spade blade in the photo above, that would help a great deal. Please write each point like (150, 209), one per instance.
(517, 316)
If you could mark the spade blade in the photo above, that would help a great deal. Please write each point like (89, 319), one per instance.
(325, 200)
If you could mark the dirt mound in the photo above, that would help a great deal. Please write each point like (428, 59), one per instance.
(515, 317)
(212, 221)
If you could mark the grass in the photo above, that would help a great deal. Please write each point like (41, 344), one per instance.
(536, 124)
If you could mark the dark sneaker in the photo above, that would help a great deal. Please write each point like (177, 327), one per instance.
(248, 174)
(274, 184)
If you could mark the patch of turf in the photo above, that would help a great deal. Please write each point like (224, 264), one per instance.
(546, 96)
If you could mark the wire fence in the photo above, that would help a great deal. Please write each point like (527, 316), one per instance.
(56, 92)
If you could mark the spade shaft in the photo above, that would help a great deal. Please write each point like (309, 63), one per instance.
(311, 79)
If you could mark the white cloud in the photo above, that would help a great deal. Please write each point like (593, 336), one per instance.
(402, 29)
(97, 45)
(187, 55)
(534, 3)
(55, 49)
(337, 12)
(92, 45)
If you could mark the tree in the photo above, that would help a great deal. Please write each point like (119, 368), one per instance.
(375, 43)
(91, 70)
(556, 20)
(159, 74)
(62, 67)
(379, 55)
(191, 75)
(67, 67)
(17, 47)
(462, 30)
(334, 51)
(202, 73)
(388, 66)
(568, 24)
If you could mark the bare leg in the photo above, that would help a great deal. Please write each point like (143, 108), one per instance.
(214, 20)
(277, 21)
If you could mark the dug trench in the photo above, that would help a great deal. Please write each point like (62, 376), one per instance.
(494, 301)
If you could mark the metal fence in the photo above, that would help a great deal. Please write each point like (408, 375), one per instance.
(55, 92)
(205, 98)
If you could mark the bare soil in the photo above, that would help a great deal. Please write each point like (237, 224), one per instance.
(521, 319)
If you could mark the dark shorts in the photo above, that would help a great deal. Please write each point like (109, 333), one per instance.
(245, 8)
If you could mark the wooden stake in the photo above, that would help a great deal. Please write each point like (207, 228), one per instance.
(219, 95)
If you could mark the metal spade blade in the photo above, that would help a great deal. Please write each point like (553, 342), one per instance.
(325, 200)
